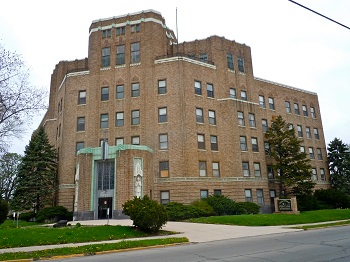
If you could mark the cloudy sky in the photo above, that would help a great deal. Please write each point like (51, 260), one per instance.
(289, 44)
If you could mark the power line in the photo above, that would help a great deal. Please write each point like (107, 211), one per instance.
(319, 14)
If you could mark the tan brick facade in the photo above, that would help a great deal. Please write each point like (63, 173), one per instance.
(151, 58)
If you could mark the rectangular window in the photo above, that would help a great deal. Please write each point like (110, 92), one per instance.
(135, 53)
(105, 93)
(251, 120)
(319, 154)
(270, 173)
(245, 167)
(302, 149)
(120, 55)
(121, 30)
(262, 101)
(264, 125)
(241, 64)
(255, 146)
(267, 148)
(204, 193)
(81, 123)
(300, 131)
(314, 174)
(288, 109)
(240, 116)
(260, 197)
(82, 97)
(233, 93)
(212, 118)
(119, 141)
(257, 171)
(271, 103)
(106, 57)
(312, 112)
(322, 174)
(244, 95)
(161, 86)
(163, 141)
(214, 143)
(119, 119)
(316, 135)
(135, 140)
(162, 115)
(230, 61)
(197, 88)
(304, 107)
(164, 168)
(79, 145)
(216, 169)
(202, 168)
(135, 89)
(217, 192)
(164, 197)
(296, 109)
(135, 117)
(201, 141)
(203, 57)
(210, 90)
(243, 142)
(290, 127)
(311, 153)
(135, 28)
(119, 92)
(104, 121)
(308, 132)
(248, 195)
(199, 115)
(106, 33)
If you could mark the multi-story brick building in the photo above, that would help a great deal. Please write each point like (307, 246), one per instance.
(182, 120)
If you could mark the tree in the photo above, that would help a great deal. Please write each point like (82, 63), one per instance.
(8, 174)
(291, 165)
(4, 209)
(36, 174)
(19, 101)
(339, 165)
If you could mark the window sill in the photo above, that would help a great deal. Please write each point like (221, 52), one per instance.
(105, 68)
(135, 64)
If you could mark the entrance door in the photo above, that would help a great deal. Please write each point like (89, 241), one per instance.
(103, 204)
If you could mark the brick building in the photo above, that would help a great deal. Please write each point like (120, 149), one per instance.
(145, 115)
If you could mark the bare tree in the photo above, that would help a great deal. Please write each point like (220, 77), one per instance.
(19, 101)
(8, 174)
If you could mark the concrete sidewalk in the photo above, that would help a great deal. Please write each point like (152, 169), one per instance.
(195, 232)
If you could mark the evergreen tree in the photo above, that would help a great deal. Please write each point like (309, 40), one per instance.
(339, 165)
(36, 174)
(291, 165)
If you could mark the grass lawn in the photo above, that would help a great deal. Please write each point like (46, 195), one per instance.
(277, 219)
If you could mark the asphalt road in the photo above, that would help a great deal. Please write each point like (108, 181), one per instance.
(329, 244)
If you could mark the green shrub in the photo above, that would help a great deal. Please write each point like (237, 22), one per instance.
(221, 204)
(178, 211)
(4, 209)
(204, 208)
(147, 214)
(309, 202)
(27, 216)
(53, 214)
(246, 208)
(332, 198)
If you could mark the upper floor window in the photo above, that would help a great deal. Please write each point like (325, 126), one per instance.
(106, 33)
(163, 141)
(255, 146)
(262, 101)
(233, 93)
(135, 52)
(302, 149)
(197, 88)
(82, 97)
(119, 141)
(270, 173)
(240, 116)
(243, 143)
(215, 169)
(135, 117)
(106, 57)
(104, 121)
(104, 93)
(119, 119)
(81, 123)
(296, 109)
(212, 118)
(314, 174)
(164, 168)
(271, 103)
(311, 153)
(120, 55)
(135, 28)
(300, 131)
(214, 143)
(264, 125)
(248, 195)
(244, 95)
(288, 109)
(305, 113)
(199, 115)
(230, 61)
(162, 115)
(241, 64)
(319, 154)
(203, 57)
(251, 120)
(316, 135)
(201, 141)
(135, 140)
(119, 92)
(312, 111)
(161, 86)
(210, 90)
(121, 30)
(322, 174)
(135, 89)
(257, 171)
(78, 146)
(202, 168)
(308, 132)
(245, 167)
(267, 148)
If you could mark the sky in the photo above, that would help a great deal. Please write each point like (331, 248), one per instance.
(289, 44)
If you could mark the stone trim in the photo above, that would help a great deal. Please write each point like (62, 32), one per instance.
(182, 58)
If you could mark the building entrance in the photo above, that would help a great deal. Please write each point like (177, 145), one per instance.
(104, 207)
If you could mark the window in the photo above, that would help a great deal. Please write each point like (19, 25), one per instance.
(262, 101)
(119, 92)
(243, 142)
(302, 149)
(163, 141)
(300, 131)
(271, 103)
(245, 167)
(119, 119)
(202, 168)
(197, 88)
(204, 193)
(260, 196)
(230, 61)
(255, 146)
(135, 89)
(119, 141)
(264, 125)
(162, 115)
(104, 93)
(311, 153)
(81, 123)
(257, 171)
(135, 52)
(78, 146)
(135, 140)
(288, 109)
(121, 30)
(322, 174)
(135, 117)
(106, 33)
(104, 121)
(304, 107)
(314, 174)
(241, 64)
(312, 111)
(161, 86)
(267, 148)
(244, 95)
(210, 90)
(201, 141)
(316, 135)
(251, 120)
(296, 109)
(135, 28)
(164, 197)
(106, 57)
(199, 115)
(82, 97)
(270, 173)
(233, 93)
(120, 55)
(164, 168)
(216, 169)
(248, 195)
(308, 132)
(240, 118)
(319, 154)
(203, 57)
(217, 192)
(212, 118)
(290, 127)
(214, 143)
